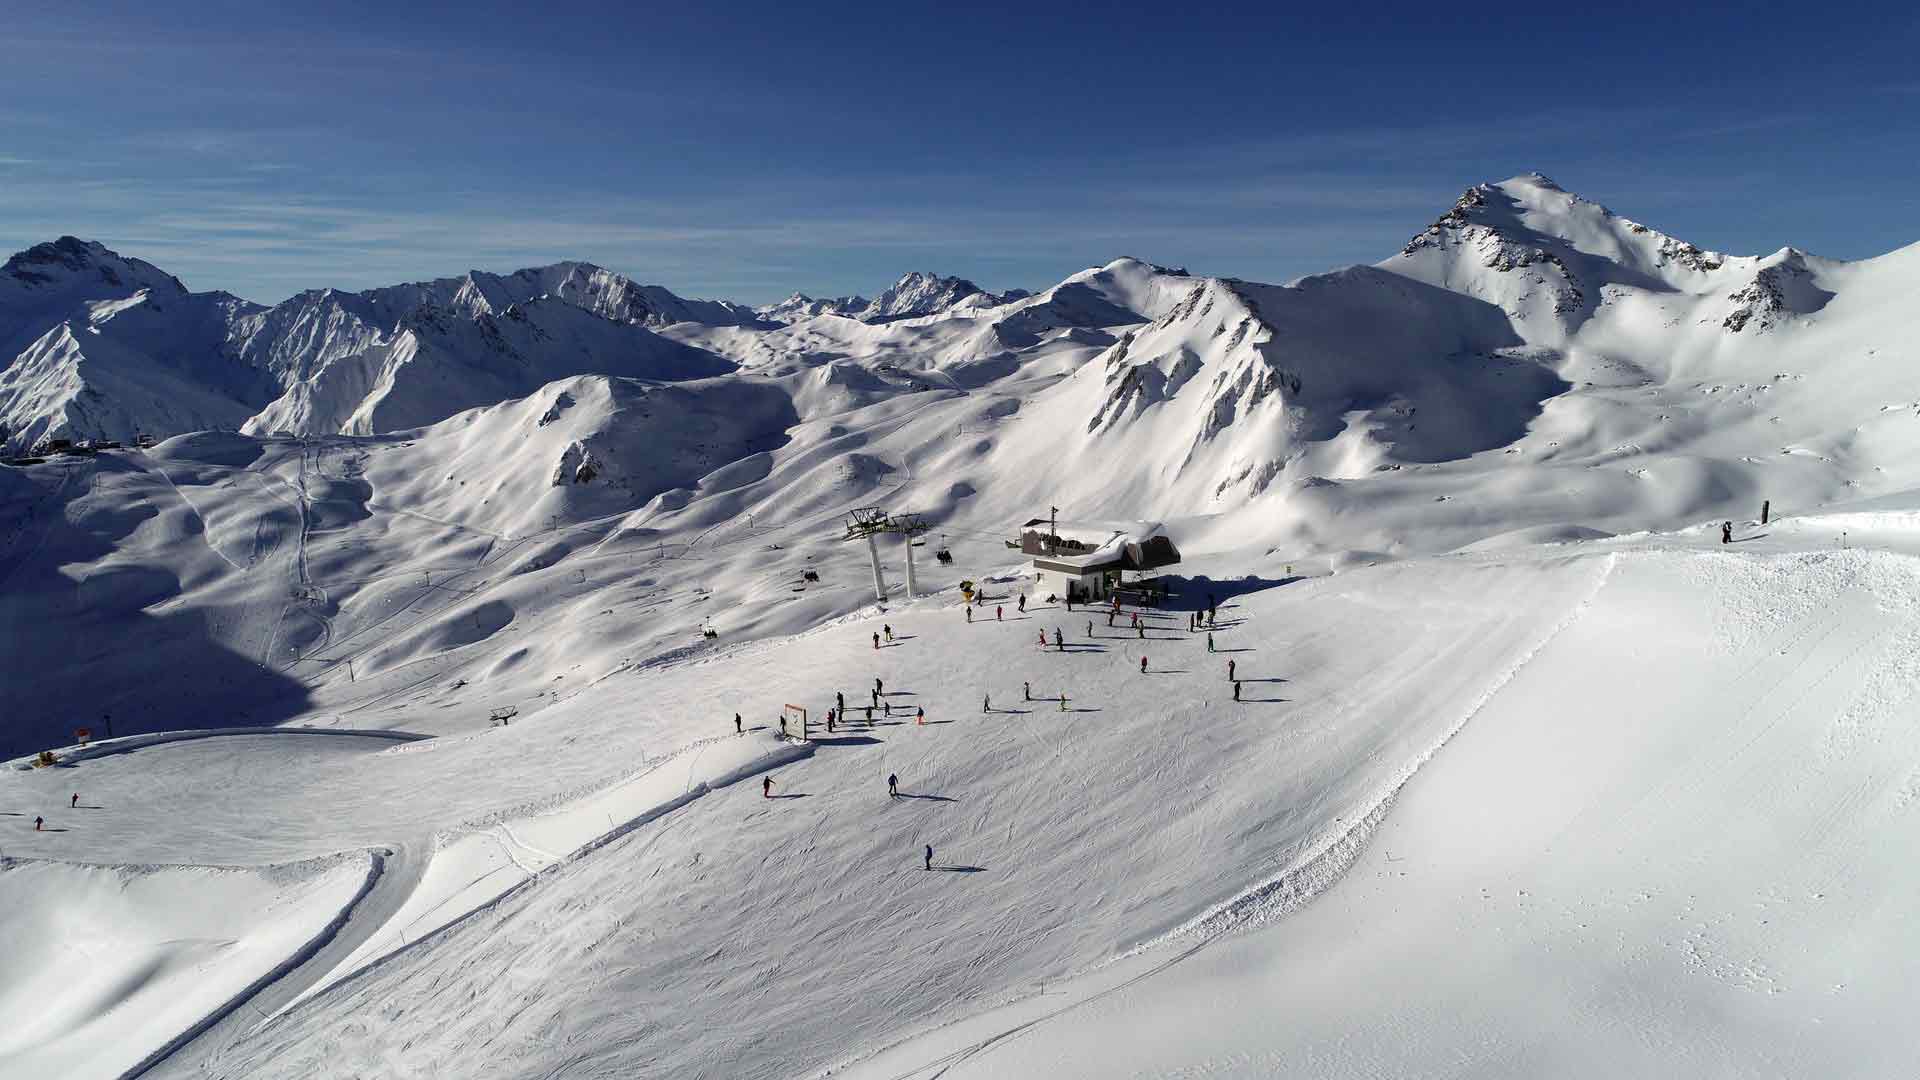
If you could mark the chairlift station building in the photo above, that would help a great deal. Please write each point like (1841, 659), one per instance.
(1084, 560)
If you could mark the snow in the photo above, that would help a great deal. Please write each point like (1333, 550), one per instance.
(107, 965)
(416, 708)
(1699, 882)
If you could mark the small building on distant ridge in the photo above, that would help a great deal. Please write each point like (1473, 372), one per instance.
(1084, 560)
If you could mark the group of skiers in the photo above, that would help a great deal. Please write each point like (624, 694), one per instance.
(1203, 619)
(40, 823)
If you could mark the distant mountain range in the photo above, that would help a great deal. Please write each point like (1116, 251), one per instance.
(1485, 311)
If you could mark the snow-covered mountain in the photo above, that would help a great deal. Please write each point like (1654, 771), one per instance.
(52, 282)
(436, 362)
(1581, 789)
(916, 294)
(801, 306)
(105, 347)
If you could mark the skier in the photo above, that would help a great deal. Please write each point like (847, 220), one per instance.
(920, 714)
(737, 728)
(929, 856)
(76, 801)
(893, 786)
(1026, 691)
(1766, 510)
(986, 703)
(876, 640)
(783, 725)
(1023, 603)
(1143, 665)
(1209, 641)
(1236, 689)
(887, 706)
(878, 688)
(1059, 642)
(1230, 665)
(889, 629)
(1089, 629)
(969, 615)
(829, 721)
(1063, 701)
(1110, 618)
(1142, 631)
(1136, 620)
(1043, 639)
(766, 787)
(1726, 532)
(996, 613)
(840, 702)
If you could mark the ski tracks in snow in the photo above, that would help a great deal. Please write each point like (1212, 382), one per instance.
(1256, 906)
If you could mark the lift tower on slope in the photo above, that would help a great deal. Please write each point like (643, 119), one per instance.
(909, 526)
(867, 523)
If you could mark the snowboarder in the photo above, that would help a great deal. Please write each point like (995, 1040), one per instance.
(893, 786)
(996, 613)
(876, 640)
(766, 787)
(738, 728)
(1023, 603)
(1026, 691)
(1209, 641)
(1726, 532)
(1230, 665)
(889, 630)
(929, 856)
(1143, 665)
(1236, 689)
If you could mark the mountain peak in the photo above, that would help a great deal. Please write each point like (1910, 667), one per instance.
(920, 293)
(72, 260)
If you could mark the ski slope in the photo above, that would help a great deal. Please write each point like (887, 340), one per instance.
(1706, 875)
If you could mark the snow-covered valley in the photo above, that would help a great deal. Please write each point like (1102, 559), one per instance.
(411, 655)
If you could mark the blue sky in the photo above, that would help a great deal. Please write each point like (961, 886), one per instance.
(746, 150)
